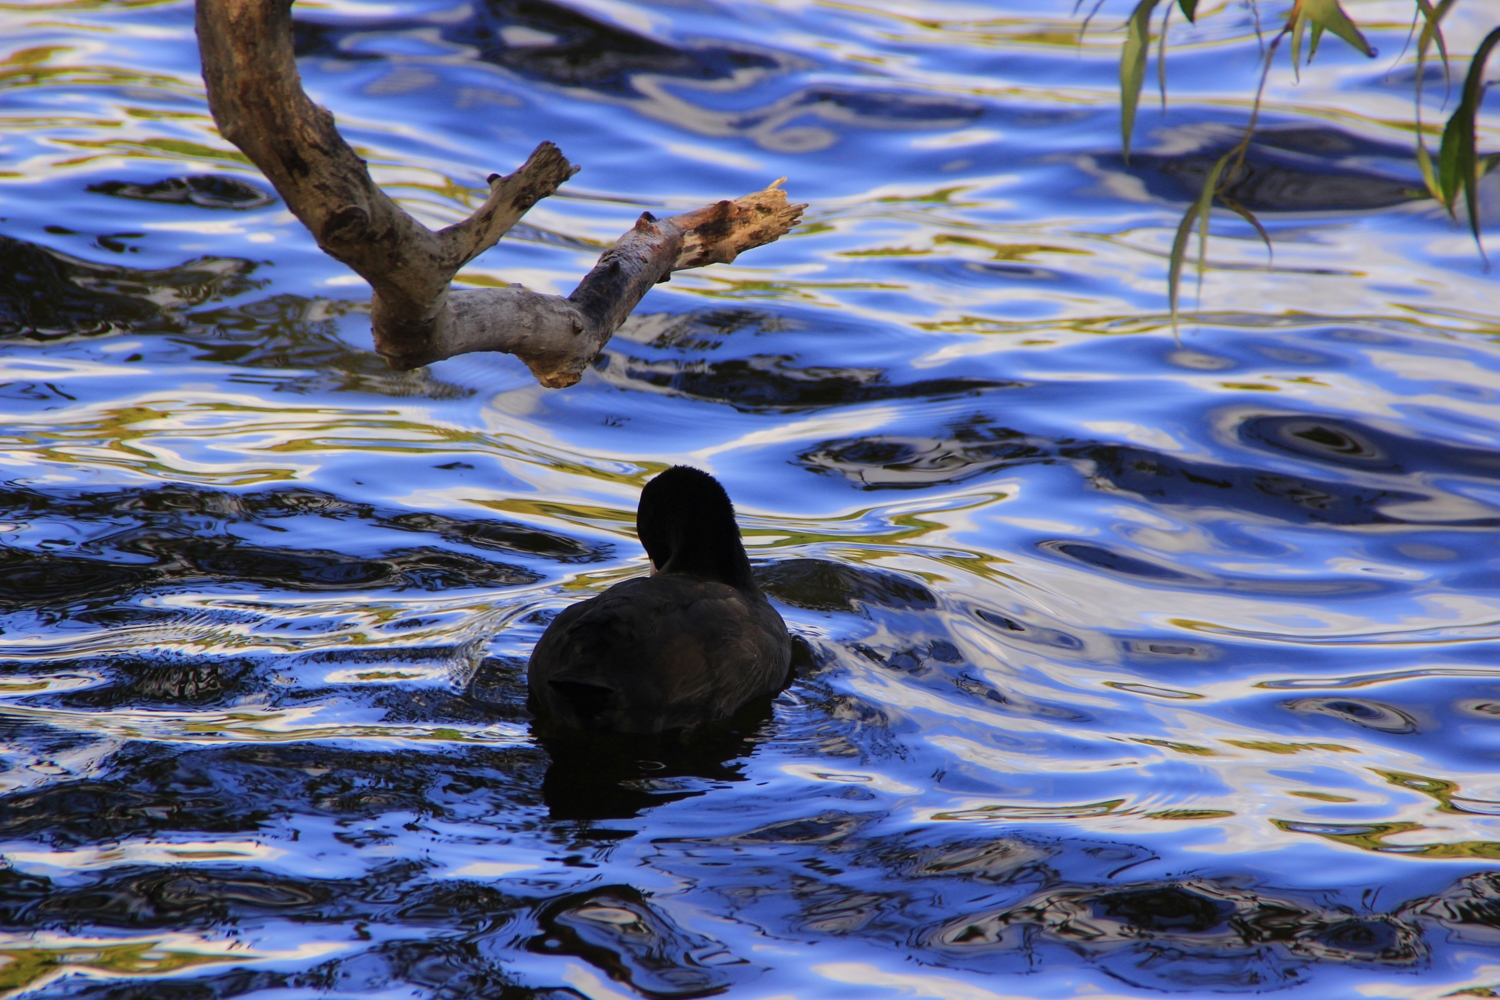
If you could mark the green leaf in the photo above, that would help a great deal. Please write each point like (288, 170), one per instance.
(1189, 9)
(1133, 67)
(1328, 14)
(1432, 19)
(1299, 25)
(1458, 161)
(1249, 217)
(1429, 175)
(1431, 31)
(1323, 15)
(1451, 156)
(1199, 212)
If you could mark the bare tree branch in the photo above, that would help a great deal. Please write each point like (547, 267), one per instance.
(256, 97)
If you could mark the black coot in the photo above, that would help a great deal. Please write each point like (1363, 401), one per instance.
(689, 644)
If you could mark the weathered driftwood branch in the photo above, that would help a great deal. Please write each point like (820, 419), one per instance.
(256, 97)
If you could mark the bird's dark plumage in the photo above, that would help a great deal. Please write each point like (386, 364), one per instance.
(690, 644)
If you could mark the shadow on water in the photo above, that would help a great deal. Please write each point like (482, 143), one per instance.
(564, 47)
(47, 295)
(542, 40)
(1289, 169)
(73, 552)
(680, 361)
(1393, 470)
(201, 191)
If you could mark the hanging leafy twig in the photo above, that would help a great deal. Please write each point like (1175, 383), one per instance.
(1458, 158)
(1133, 67)
(1133, 60)
(1322, 15)
(1457, 169)
(1432, 18)
(1214, 187)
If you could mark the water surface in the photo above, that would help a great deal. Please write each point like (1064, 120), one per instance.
(1129, 664)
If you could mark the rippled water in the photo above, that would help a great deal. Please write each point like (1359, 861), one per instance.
(1128, 663)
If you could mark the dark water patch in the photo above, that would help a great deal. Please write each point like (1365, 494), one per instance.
(544, 41)
(679, 361)
(824, 828)
(176, 897)
(1032, 633)
(282, 332)
(1342, 442)
(823, 585)
(1120, 563)
(617, 930)
(568, 48)
(153, 789)
(234, 983)
(134, 681)
(1169, 479)
(601, 776)
(775, 383)
(833, 724)
(1468, 911)
(444, 968)
(1359, 711)
(499, 686)
(896, 462)
(1309, 169)
(497, 536)
(1149, 573)
(1149, 649)
(46, 294)
(911, 658)
(1015, 703)
(201, 190)
(1182, 935)
(700, 330)
(783, 125)
(74, 548)
(50, 580)
(973, 448)
(1001, 860)
(827, 908)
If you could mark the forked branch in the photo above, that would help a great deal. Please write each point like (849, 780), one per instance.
(256, 97)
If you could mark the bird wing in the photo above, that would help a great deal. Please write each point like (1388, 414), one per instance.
(662, 651)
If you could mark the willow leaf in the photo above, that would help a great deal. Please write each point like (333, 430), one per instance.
(1432, 20)
(1323, 15)
(1179, 251)
(1205, 211)
(1249, 217)
(1189, 9)
(1161, 56)
(1429, 175)
(1458, 161)
(1298, 23)
(1327, 14)
(1451, 157)
(1431, 31)
(1198, 211)
(1133, 67)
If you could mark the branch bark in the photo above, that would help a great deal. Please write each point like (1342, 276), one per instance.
(256, 97)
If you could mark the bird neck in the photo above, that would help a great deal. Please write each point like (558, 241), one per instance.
(722, 559)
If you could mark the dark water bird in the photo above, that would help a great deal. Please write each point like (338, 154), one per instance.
(690, 644)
